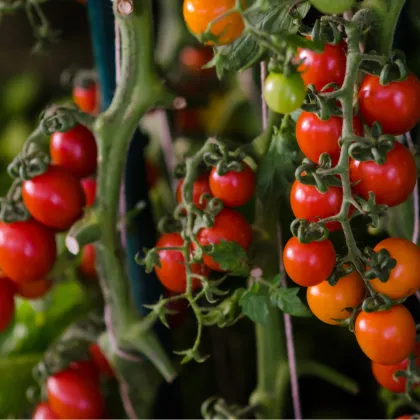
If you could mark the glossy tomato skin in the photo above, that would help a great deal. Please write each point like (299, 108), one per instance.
(229, 225)
(234, 188)
(201, 186)
(34, 289)
(54, 198)
(316, 136)
(172, 271)
(72, 395)
(320, 69)
(75, 150)
(396, 106)
(43, 411)
(329, 302)
(199, 13)
(404, 279)
(100, 360)
(308, 264)
(27, 250)
(386, 337)
(89, 188)
(392, 183)
(7, 302)
(88, 262)
(87, 98)
(308, 203)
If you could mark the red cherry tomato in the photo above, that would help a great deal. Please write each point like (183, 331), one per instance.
(87, 98)
(308, 264)
(172, 271)
(405, 416)
(308, 203)
(89, 188)
(7, 302)
(75, 150)
(201, 186)
(320, 69)
(395, 106)
(195, 58)
(88, 262)
(100, 360)
(234, 188)
(386, 337)
(73, 395)
(392, 183)
(187, 121)
(229, 225)
(34, 289)
(316, 136)
(152, 173)
(54, 198)
(27, 250)
(86, 368)
(43, 412)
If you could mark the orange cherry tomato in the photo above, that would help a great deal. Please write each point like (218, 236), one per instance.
(34, 289)
(87, 98)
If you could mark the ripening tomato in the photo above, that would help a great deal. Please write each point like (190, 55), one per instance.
(320, 69)
(333, 7)
(73, 395)
(34, 289)
(27, 250)
(43, 412)
(87, 97)
(201, 186)
(75, 150)
(386, 337)
(54, 198)
(316, 136)
(198, 14)
(392, 183)
(194, 58)
(86, 368)
(308, 203)
(89, 188)
(404, 279)
(395, 106)
(330, 302)
(172, 271)
(284, 94)
(7, 302)
(229, 225)
(308, 264)
(100, 360)
(385, 374)
(88, 262)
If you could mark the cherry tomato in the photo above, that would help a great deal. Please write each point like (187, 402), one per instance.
(234, 188)
(73, 395)
(284, 94)
(43, 412)
(320, 69)
(172, 271)
(7, 302)
(385, 374)
(100, 360)
(54, 198)
(316, 136)
(404, 279)
(86, 368)
(89, 188)
(87, 98)
(392, 183)
(75, 150)
(199, 13)
(335, 7)
(308, 264)
(386, 337)
(201, 186)
(152, 173)
(188, 121)
(34, 289)
(330, 302)
(194, 58)
(27, 250)
(88, 262)
(405, 416)
(308, 203)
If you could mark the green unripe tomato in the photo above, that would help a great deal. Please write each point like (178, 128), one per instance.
(332, 7)
(284, 94)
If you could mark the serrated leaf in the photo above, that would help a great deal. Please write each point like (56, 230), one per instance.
(288, 301)
(231, 258)
(254, 306)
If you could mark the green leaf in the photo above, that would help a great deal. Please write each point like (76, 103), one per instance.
(288, 301)
(231, 258)
(401, 220)
(255, 305)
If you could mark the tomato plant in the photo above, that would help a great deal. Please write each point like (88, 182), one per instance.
(336, 7)
(201, 186)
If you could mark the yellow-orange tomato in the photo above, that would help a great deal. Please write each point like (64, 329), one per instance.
(330, 302)
(199, 13)
(404, 279)
(34, 289)
(386, 337)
